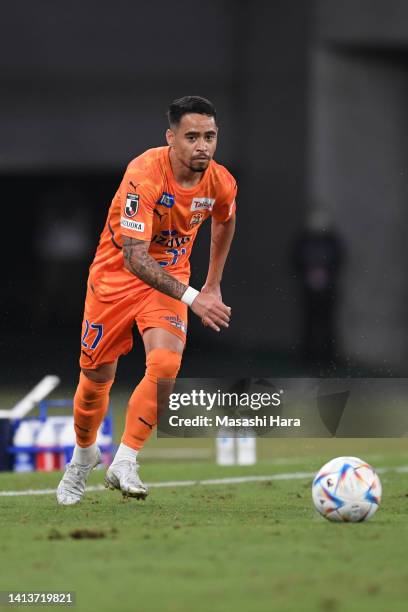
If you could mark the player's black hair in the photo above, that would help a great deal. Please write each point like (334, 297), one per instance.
(190, 104)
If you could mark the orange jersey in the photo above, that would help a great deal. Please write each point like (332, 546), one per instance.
(149, 205)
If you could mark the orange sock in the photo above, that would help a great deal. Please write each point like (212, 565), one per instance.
(91, 402)
(141, 417)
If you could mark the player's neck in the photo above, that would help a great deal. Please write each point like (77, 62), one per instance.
(184, 176)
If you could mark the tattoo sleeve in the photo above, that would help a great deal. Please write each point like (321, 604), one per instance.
(141, 264)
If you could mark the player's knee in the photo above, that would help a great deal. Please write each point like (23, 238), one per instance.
(163, 363)
(103, 374)
(90, 391)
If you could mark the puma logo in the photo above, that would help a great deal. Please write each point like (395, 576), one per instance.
(160, 215)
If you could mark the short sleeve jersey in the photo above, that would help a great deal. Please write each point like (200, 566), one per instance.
(149, 205)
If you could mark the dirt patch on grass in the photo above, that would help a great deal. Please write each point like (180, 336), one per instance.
(83, 534)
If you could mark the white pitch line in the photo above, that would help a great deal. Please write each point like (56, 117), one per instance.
(208, 481)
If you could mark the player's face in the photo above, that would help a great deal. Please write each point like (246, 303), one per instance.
(194, 141)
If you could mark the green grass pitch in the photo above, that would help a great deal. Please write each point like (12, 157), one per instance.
(241, 547)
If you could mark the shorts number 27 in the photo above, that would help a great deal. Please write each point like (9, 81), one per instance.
(99, 333)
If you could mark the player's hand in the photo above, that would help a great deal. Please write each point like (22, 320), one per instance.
(211, 309)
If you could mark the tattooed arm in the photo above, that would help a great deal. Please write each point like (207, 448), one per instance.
(141, 264)
(137, 260)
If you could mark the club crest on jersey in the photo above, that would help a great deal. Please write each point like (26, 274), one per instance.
(167, 199)
(196, 219)
(132, 204)
(202, 204)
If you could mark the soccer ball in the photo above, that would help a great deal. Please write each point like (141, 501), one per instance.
(346, 489)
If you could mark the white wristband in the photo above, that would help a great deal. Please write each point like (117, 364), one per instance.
(189, 295)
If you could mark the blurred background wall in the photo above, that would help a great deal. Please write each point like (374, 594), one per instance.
(312, 100)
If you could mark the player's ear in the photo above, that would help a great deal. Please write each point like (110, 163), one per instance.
(170, 137)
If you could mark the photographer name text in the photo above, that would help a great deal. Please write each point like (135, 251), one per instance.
(226, 421)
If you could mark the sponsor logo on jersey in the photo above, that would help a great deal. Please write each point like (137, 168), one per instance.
(202, 204)
(132, 204)
(167, 200)
(176, 322)
(137, 226)
(170, 239)
(196, 219)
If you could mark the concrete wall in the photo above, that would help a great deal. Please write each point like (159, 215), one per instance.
(358, 168)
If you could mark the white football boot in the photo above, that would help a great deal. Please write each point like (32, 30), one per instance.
(123, 475)
(71, 489)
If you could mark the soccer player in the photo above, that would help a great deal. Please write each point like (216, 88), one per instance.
(140, 274)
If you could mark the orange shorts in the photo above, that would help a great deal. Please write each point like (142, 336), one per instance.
(107, 326)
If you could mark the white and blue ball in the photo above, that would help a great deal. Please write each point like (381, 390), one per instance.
(346, 489)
